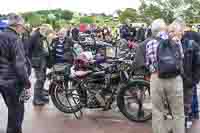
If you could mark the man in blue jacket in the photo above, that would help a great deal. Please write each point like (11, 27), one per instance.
(13, 72)
(191, 49)
(38, 54)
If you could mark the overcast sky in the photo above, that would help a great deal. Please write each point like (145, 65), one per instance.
(86, 6)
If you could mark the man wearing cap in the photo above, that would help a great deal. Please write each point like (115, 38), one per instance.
(38, 40)
(14, 77)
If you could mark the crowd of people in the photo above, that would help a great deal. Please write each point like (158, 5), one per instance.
(20, 51)
(106, 33)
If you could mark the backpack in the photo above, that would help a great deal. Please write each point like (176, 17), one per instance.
(169, 58)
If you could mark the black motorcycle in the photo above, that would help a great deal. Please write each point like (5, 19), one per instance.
(99, 87)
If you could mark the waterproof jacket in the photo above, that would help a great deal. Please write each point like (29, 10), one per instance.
(37, 52)
(191, 62)
(13, 68)
(36, 44)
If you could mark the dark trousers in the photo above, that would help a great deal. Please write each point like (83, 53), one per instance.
(195, 106)
(191, 102)
(40, 74)
(187, 101)
(15, 109)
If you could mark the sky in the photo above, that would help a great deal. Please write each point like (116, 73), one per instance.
(85, 6)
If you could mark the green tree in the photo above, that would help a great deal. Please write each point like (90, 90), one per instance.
(66, 15)
(148, 13)
(128, 14)
(33, 19)
(189, 9)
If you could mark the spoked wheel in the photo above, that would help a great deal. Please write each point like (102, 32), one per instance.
(134, 101)
(65, 97)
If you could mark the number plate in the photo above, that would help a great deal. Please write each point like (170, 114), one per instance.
(59, 77)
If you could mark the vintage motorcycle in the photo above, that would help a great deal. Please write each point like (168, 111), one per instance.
(99, 87)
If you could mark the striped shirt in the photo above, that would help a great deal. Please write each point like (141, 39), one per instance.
(59, 49)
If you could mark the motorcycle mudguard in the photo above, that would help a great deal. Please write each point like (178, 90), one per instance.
(138, 82)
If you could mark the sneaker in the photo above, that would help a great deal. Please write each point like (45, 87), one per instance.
(188, 124)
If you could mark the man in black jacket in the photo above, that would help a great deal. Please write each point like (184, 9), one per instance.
(191, 97)
(192, 73)
(14, 77)
(39, 53)
(75, 33)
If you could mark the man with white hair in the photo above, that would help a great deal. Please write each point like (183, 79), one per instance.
(62, 48)
(166, 88)
(14, 76)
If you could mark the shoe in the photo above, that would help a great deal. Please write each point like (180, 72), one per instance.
(188, 122)
(38, 102)
(41, 101)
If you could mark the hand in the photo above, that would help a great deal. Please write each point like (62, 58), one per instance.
(25, 95)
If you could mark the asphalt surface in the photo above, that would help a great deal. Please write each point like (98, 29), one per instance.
(48, 119)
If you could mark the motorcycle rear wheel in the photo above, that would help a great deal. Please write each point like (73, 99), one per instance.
(138, 113)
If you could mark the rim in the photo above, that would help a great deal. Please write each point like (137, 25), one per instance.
(61, 95)
(137, 102)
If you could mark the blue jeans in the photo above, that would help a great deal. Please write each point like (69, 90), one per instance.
(195, 106)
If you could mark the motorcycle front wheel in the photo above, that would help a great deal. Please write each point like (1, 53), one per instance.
(64, 97)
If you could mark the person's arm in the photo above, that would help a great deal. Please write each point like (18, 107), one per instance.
(20, 63)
